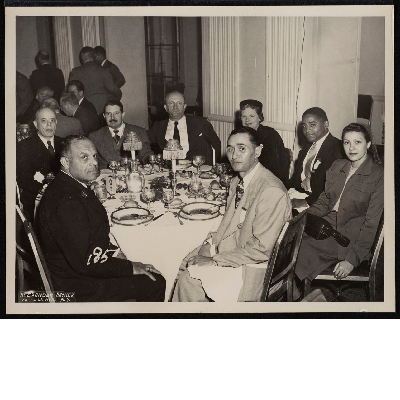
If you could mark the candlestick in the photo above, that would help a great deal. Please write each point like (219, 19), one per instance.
(173, 165)
(133, 154)
(213, 151)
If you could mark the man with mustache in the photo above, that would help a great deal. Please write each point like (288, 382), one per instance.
(74, 232)
(109, 139)
(37, 156)
(315, 158)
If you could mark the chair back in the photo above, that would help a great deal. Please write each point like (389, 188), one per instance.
(38, 254)
(280, 273)
(376, 274)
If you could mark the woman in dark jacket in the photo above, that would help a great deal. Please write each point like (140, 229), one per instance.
(274, 156)
(352, 203)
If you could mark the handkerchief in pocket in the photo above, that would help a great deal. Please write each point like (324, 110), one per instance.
(242, 216)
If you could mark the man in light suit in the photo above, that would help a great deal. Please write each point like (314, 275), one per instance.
(101, 59)
(109, 139)
(315, 158)
(76, 87)
(36, 157)
(195, 134)
(257, 208)
(98, 81)
(65, 125)
(89, 120)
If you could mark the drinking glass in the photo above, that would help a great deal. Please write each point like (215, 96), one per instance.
(198, 161)
(168, 196)
(152, 161)
(125, 163)
(195, 187)
(113, 166)
(148, 196)
(225, 181)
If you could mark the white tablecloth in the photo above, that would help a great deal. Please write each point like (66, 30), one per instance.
(164, 242)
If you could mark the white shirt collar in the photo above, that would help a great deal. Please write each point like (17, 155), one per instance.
(121, 130)
(67, 173)
(180, 121)
(247, 179)
(45, 140)
(102, 64)
(319, 142)
(80, 101)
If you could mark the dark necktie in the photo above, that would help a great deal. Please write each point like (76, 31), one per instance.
(50, 147)
(176, 132)
(239, 192)
(116, 137)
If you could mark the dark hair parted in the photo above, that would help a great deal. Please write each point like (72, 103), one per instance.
(253, 135)
(114, 103)
(366, 132)
(86, 53)
(317, 112)
(66, 144)
(78, 84)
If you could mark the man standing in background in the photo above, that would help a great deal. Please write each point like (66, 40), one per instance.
(47, 75)
(118, 78)
(77, 88)
(23, 92)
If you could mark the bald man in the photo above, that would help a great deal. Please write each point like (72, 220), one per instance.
(65, 125)
(42, 93)
(37, 156)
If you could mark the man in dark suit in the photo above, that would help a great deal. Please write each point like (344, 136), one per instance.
(98, 81)
(65, 125)
(195, 134)
(77, 88)
(70, 105)
(101, 59)
(29, 115)
(314, 159)
(37, 156)
(47, 75)
(23, 93)
(109, 139)
(74, 231)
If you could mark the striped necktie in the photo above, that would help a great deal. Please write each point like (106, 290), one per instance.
(50, 147)
(305, 184)
(116, 137)
(239, 192)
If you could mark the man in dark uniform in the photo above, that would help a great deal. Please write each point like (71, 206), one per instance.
(76, 87)
(74, 232)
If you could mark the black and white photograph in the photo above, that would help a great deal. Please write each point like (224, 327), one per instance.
(199, 159)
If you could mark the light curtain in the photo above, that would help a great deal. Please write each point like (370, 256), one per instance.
(220, 46)
(284, 36)
(90, 31)
(63, 44)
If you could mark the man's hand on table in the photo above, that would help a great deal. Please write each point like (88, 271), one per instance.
(144, 269)
(201, 261)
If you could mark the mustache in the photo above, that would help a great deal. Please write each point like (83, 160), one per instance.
(113, 120)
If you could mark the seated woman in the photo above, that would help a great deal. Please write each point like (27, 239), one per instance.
(274, 156)
(352, 203)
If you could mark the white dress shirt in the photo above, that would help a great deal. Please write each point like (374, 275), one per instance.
(318, 145)
(45, 140)
(120, 130)
(183, 133)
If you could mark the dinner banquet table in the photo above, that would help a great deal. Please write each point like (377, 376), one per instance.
(165, 241)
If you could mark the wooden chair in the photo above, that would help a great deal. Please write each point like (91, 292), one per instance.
(278, 281)
(368, 272)
(25, 261)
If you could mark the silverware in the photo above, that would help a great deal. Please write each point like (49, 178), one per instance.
(179, 218)
(158, 216)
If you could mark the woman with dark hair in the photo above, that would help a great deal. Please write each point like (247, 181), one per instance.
(274, 156)
(352, 203)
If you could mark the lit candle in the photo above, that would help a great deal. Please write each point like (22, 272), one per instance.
(173, 165)
(213, 155)
(133, 154)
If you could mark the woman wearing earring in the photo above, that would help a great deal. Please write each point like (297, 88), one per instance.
(274, 156)
(352, 203)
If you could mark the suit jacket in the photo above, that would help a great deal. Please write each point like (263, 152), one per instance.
(89, 121)
(28, 116)
(273, 156)
(67, 126)
(47, 75)
(33, 156)
(331, 150)
(85, 103)
(109, 150)
(247, 234)
(117, 76)
(24, 93)
(360, 207)
(201, 136)
(73, 228)
(97, 81)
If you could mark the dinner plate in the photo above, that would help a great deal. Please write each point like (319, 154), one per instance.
(131, 216)
(205, 168)
(199, 211)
